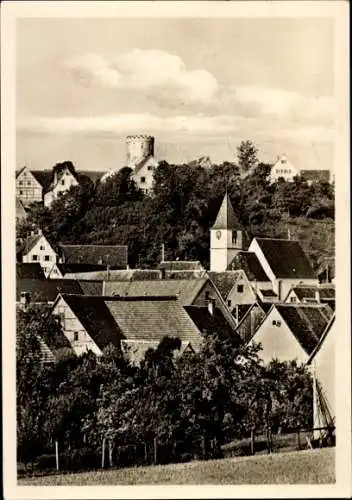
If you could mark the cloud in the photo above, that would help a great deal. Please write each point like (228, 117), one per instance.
(149, 70)
(127, 123)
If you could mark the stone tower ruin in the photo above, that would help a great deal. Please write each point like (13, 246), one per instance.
(139, 147)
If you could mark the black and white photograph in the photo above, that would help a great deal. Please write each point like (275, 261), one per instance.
(175, 249)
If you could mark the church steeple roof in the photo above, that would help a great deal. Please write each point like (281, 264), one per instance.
(226, 218)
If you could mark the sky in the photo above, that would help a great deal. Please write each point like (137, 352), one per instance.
(200, 86)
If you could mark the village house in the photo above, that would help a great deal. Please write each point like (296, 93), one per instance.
(321, 363)
(132, 324)
(291, 331)
(37, 249)
(283, 169)
(285, 264)
(64, 177)
(29, 188)
(302, 294)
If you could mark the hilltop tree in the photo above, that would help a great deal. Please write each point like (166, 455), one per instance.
(247, 156)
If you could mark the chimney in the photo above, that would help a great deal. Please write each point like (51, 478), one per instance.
(211, 306)
(317, 295)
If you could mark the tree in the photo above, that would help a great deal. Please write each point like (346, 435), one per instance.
(247, 156)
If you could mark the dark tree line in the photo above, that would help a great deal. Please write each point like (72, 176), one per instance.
(215, 395)
(183, 207)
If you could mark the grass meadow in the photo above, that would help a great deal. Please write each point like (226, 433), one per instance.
(299, 467)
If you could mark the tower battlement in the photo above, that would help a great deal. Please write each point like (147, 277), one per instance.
(139, 147)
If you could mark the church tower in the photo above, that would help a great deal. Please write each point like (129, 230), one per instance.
(227, 237)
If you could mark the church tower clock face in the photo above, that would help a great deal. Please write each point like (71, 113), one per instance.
(218, 234)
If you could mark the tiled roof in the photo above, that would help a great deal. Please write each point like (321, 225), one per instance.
(226, 218)
(153, 318)
(325, 292)
(111, 255)
(117, 275)
(29, 270)
(46, 290)
(180, 265)
(224, 281)
(322, 339)
(316, 175)
(211, 323)
(186, 290)
(20, 210)
(240, 311)
(250, 321)
(79, 268)
(96, 318)
(30, 242)
(91, 287)
(248, 261)
(307, 322)
(286, 258)
(19, 171)
(44, 177)
(268, 293)
(185, 275)
(135, 350)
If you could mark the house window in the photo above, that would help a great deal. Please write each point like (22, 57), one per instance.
(207, 295)
(34, 257)
(142, 179)
(20, 183)
(240, 288)
(42, 247)
(293, 299)
(21, 192)
(75, 336)
(28, 183)
(63, 182)
(150, 167)
(46, 257)
(229, 303)
(276, 323)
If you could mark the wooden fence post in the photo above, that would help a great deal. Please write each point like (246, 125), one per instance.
(145, 452)
(252, 442)
(155, 451)
(299, 438)
(57, 454)
(103, 454)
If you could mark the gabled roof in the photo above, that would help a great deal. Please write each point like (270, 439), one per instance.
(286, 258)
(95, 317)
(20, 210)
(249, 263)
(316, 175)
(79, 268)
(321, 341)
(19, 171)
(208, 323)
(226, 218)
(181, 265)
(185, 290)
(29, 270)
(309, 292)
(153, 318)
(107, 255)
(46, 290)
(224, 281)
(31, 241)
(44, 177)
(307, 322)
